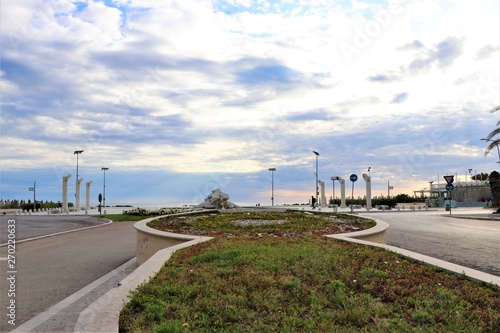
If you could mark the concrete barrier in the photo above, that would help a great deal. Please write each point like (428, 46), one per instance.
(150, 241)
(375, 234)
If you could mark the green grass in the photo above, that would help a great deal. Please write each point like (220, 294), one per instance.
(271, 282)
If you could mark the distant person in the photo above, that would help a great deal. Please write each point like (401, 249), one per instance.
(313, 202)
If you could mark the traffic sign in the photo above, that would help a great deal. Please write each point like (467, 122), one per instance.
(449, 179)
(353, 177)
(449, 187)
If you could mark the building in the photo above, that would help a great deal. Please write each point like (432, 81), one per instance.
(473, 193)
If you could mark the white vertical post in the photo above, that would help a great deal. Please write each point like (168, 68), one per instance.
(323, 197)
(65, 193)
(368, 180)
(87, 195)
(342, 192)
(77, 199)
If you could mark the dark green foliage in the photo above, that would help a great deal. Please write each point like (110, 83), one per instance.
(494, 180)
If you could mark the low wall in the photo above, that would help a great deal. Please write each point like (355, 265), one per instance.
(150, 241)
(375, 234)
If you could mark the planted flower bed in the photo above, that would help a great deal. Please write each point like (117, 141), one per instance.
(285, 277)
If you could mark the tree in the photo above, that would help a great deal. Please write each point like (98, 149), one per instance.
(493, 142)
(494, 179)
(480, 176)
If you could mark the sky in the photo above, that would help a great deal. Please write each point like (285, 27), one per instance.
(178, 98)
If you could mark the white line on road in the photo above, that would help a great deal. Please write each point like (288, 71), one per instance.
(60, 233)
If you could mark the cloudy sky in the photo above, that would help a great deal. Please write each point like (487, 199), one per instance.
(177, 97)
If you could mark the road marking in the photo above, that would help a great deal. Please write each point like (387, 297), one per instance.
(60, 233)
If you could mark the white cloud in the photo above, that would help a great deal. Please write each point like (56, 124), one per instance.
(199, 87)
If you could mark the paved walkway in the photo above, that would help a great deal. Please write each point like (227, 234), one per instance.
(54, 268)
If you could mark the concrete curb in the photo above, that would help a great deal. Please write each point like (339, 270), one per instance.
(103, 314)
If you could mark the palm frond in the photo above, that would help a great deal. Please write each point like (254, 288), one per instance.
(496, 108)
(493, 133)
(493, 144)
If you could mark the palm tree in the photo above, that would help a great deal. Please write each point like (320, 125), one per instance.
(494, 177)
(493, 143)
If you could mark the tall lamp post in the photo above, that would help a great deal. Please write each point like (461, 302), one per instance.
(104, 190)
(272, 185)
(77, 187)
(317, 190)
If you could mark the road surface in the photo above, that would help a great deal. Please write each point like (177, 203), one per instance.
(473, 243)
(48, 270)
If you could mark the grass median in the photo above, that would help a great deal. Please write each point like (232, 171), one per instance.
(282, 276)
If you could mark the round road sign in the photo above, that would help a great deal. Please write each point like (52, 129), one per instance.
(353, 177)
(449, 187)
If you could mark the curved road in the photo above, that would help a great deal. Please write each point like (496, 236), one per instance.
(53, 268)
(473, 243)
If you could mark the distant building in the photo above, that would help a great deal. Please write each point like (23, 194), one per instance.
(470, 193)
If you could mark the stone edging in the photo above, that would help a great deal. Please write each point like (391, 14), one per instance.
(103, 314)
(150, 241)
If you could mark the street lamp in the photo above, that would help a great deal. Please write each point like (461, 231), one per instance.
(77, 187)
(104, 190)
(317, 190)
(272, 185)
(369, 168)
(498, 149)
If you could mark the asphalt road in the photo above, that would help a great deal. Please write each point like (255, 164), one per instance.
(29, 226)
(48, 270)
(472, 243)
